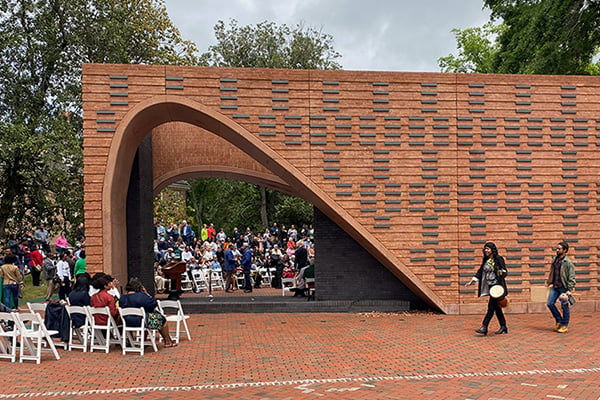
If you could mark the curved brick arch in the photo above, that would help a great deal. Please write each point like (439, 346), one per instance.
(205, 155)
(154, 111)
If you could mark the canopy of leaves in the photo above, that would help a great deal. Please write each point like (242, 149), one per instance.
(477, 49)
(546, 37)
(42, 46)
(534, 37)
(266, 45)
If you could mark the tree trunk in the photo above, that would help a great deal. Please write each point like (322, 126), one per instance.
(263, 206)
(7, 200)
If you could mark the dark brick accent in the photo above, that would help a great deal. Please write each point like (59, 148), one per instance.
(140, 228)
(346, 271)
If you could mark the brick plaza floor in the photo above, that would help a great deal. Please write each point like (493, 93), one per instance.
(338, 356)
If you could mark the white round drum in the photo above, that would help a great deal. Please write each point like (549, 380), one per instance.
(497, 291)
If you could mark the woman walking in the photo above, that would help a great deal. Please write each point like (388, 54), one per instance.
(492, 272)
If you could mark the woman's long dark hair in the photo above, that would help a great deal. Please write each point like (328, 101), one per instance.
(82, 283)
(495, 256)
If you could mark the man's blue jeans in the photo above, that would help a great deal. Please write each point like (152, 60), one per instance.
(552, 297)
(11, 296)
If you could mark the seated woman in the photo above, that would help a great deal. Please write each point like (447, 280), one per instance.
(138, 297)
(103, 299)
(80, 296)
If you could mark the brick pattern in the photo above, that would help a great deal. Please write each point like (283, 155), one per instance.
(425, 166)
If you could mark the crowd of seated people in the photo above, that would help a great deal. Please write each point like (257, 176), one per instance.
(283, 251)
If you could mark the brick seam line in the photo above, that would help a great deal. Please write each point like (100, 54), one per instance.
(237, 385)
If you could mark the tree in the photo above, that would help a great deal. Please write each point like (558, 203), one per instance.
(535, 37)
(546, 37)
(477, 48)
(42, 46)
(267, 45)
(264, 45)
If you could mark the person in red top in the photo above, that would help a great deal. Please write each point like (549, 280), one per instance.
(212, 233)
(103, 299)
(36, 260)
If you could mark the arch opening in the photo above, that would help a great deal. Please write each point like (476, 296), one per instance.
(152, 113)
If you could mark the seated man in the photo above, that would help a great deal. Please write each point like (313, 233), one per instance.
(306, 272)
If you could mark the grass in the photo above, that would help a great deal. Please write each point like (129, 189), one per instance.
(33, 294)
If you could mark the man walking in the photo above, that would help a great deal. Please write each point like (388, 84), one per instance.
(247, 267)
(561, 280)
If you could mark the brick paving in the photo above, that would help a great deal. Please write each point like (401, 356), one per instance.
(338, 356)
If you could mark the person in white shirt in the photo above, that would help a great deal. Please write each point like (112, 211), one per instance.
(64, 273)
(186, 254)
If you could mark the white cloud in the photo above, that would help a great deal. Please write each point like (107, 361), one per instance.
(394, 35)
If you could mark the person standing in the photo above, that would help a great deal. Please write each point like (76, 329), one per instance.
(42, 238)
(11, 277)
(561, 280)
(49, 271)
(229, 268)
(491, 272)
(80, 264)
(36, 261)
(186, 232)
(247, 267)
(64, 273)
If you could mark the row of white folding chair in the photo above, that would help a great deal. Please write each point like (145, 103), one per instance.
(173, 311)
(33, 336)
(130, 338)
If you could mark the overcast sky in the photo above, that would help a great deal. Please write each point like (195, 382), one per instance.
(379, 35)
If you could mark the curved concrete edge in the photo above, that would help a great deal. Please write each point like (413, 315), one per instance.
(218, 171)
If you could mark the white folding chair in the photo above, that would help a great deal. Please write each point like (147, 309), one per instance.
(266, 277)
(199, 280)
(78, 336)
(287, 284)
(8, 336)
(186, 282)
(174, 312)
(38, 308)
(34, 336)
(103, 335)
(133, 337)
(216, 277)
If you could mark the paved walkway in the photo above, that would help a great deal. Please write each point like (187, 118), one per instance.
(339, 356)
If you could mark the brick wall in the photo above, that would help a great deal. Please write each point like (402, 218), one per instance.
(344, 270)
(420, 169)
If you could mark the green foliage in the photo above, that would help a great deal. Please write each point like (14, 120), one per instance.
(266, 45)
(546, 37)
(477, 48)
(42, 45)
(535, 37)
(293, 210)
(170, 207)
